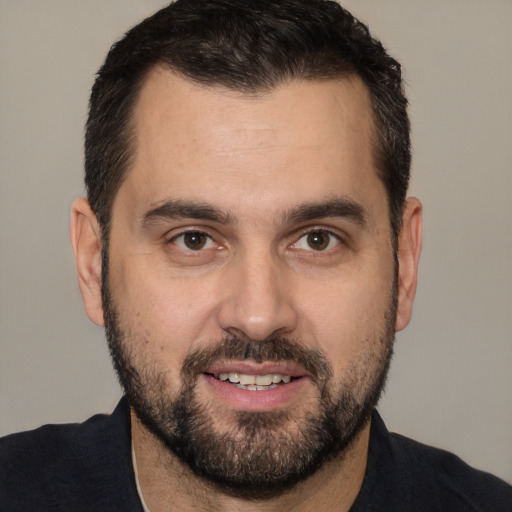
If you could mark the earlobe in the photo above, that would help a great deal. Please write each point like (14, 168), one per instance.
(409, 250)
(86, 243)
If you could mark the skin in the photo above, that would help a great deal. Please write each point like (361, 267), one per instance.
(255, 159)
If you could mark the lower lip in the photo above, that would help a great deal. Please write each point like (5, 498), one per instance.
(245, 400)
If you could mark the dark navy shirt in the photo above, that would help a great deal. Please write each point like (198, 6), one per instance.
(88, 467)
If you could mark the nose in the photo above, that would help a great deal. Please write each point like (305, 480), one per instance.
(257, 301)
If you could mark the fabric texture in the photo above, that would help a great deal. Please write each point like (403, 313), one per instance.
(88, 467)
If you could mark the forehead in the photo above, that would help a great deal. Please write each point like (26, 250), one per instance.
(299, 140)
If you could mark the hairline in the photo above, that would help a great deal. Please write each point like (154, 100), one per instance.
(129, 133)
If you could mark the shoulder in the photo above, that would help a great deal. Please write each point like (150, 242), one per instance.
(441, 473)
(73, 464)
(49, 443)
(408, 475)
(31, 461)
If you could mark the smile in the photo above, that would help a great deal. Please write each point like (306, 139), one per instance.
(254, 382)
(243, 386)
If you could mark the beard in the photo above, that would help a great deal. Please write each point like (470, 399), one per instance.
(263, 454)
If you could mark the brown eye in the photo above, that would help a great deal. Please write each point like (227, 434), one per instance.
(193, 241)
(318, 240)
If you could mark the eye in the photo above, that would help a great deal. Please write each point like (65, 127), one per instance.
(318, 240)
(193, 241)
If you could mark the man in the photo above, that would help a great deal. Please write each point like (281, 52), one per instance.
(248, 245)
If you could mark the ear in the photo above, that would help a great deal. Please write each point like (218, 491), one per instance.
(86, 243)
(409, 250)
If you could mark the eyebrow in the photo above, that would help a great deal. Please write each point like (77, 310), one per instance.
(182, 209)
(342, 207)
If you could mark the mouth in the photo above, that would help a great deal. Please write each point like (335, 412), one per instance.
(253, 382)
(251, 386)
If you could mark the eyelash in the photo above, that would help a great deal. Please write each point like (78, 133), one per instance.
(191, 232)
(332, 237)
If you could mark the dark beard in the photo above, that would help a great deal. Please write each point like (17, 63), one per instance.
(264, 454)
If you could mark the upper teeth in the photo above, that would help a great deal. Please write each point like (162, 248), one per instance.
(251, 380)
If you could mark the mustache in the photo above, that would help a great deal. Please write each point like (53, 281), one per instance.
(276, 349)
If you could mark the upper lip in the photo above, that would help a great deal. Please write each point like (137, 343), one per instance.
(253, 368)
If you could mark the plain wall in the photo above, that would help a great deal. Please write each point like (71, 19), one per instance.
(451, 380)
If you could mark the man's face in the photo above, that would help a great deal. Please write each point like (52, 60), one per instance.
(250, 242)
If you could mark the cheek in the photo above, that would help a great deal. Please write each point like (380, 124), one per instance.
(169, 316)
(348, 314)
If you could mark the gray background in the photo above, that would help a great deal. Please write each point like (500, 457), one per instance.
(451, 380)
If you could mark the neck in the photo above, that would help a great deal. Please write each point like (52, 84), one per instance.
(167, 483)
